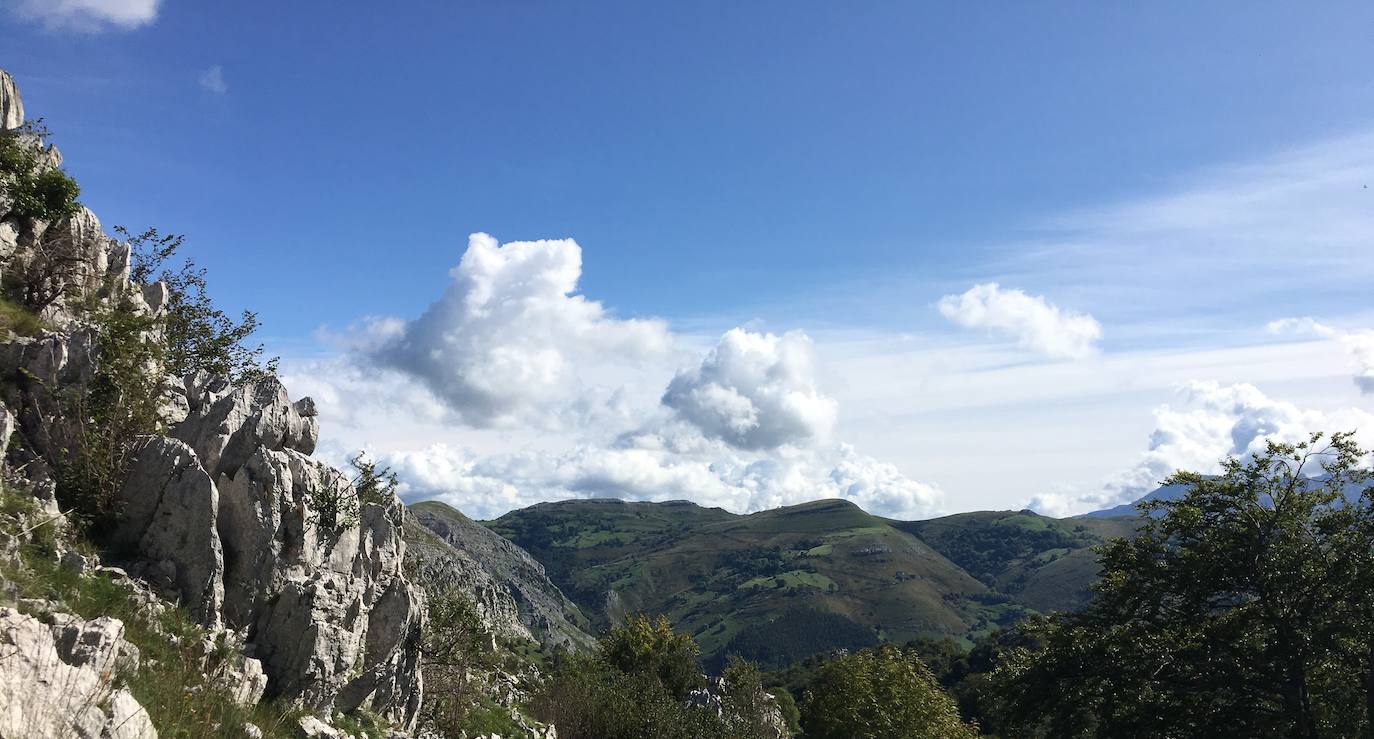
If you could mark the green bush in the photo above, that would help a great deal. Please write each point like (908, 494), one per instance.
(198, 336)
(92, 448)
(878, 694)
(649, 648)
(49, 194)
(636, 686)
(15, 317)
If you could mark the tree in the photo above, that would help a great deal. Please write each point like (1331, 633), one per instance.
(1244, 610)
(454, 650)
(638, 685)
(880, 693)
(199, 337)
(650, 648)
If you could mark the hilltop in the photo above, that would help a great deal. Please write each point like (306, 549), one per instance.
(781, 584)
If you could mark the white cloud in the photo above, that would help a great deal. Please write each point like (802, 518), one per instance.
(754, 391)
(87, 16)
(1358, 344)
(1216, 421)
(508, 342)
(1034, 322)
(627, 445)
(212, 80)
(722, 476)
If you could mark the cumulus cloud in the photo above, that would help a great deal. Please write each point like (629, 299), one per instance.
(87, 16)
(767, 448)
(754, 391)
(508, 342)
(725, 477)
(1214, 422)
(1034, 322)
(1358, 344)
(212, 80)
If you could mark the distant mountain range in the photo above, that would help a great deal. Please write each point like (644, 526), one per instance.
(782, 584)
(1176, 492)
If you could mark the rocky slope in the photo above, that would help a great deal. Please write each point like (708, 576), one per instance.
(455, 548)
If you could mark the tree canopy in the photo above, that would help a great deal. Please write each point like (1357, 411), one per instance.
(1245, 609)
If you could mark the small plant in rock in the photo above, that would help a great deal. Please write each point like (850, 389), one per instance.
(375, 484)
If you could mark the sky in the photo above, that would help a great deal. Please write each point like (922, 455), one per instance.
(929, 257)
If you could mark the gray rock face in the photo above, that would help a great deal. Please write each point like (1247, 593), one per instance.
(11, 107)
(77, 657)
(444, 568)
(310, 574)
(168, 509)
(226, 430)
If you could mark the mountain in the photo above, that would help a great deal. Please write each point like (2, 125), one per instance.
(785, 583)
(1047, 564)
(1165, 492)
(1351, 491)
(508, 584)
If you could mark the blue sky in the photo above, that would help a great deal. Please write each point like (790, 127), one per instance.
(1182, 175)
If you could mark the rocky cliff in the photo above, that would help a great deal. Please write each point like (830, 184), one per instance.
(221, 511)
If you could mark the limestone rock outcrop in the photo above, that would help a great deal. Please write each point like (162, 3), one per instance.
(278, 546)
(168, 503)
(56, 679)
(223, 510)
(11, 107)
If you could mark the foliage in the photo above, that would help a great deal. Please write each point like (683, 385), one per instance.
(15, 317)
(747, 706)
(586, 698)
(1246, 609)
(787, 707)
(454, 649)
(338, 505)
(635, 687)
(375, 484)
(93, 445)
(649, 648)
(796, 634)
(45, 193)
(877, 694)
(199, 336)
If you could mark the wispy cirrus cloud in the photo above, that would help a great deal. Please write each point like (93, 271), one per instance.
(1358, 344)
(212, 80)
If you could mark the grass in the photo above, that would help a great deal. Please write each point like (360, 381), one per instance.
(18, 319)
(791, 579)
(181, 701)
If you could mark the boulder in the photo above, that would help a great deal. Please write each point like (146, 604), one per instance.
(245, 681)
(55, 680)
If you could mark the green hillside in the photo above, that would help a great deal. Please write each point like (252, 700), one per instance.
(1045, 563)
(781, 584)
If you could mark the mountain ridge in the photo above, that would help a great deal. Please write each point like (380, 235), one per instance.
(725, 577)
